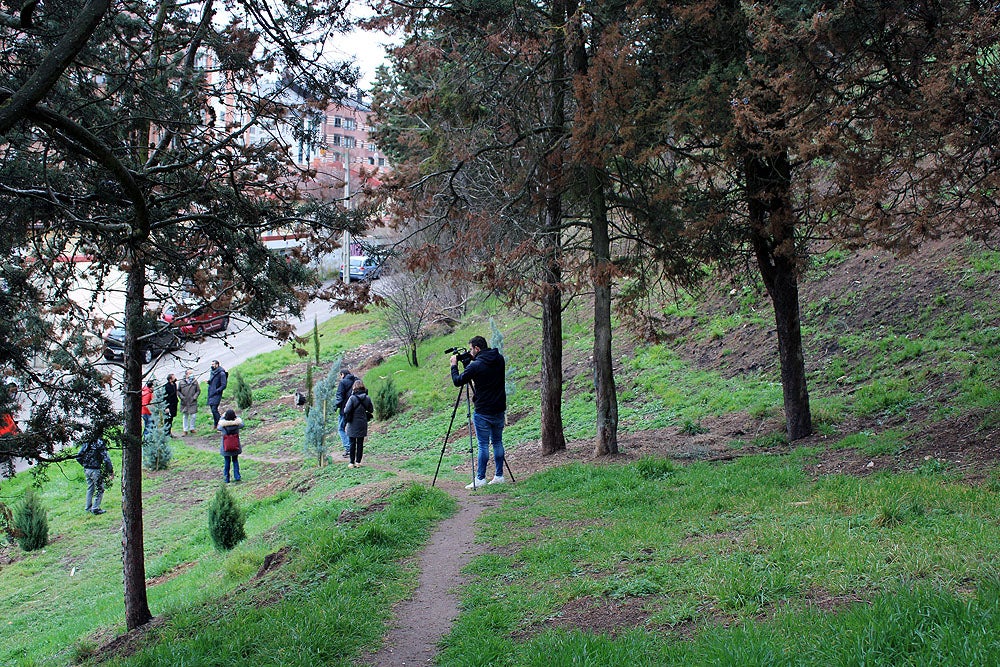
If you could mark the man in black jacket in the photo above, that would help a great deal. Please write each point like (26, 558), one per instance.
(487, 373)
(344, 387)
(98, 470)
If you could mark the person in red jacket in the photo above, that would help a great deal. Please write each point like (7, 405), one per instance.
(147, 398)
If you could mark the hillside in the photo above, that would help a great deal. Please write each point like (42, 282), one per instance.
(707, 525)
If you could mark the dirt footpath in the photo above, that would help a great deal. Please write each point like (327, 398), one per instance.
(422, 621)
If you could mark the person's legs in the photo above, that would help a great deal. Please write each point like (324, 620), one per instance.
(345, 440)
(359, 449)
(215, 415)
(93, 476)
(146, 421)
(496, 436)
(483, 437)
(352, 450)
(236, 467)
(98, 493)
(225, 469)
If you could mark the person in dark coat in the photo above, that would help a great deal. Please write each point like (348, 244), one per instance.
(357, 411)
(98, 470)
(487, 373)
(170, 392)
(231, 446)
(218, 378)
(344, 388)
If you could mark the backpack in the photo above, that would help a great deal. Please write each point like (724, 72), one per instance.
(231, 442)
(89, 456)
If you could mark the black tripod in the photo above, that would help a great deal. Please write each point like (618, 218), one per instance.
(472, 449)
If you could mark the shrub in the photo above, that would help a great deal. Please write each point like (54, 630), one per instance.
(225, 520)
(386, 399)
(156, 450)
(244, 396)
(31, 523)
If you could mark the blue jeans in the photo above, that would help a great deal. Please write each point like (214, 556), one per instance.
(95, 488)
(236, 467)
(147, 423)
(345, 440)
(489, 428)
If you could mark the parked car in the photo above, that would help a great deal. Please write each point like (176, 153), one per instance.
(201, 320)
(362, 268)
(163, 339)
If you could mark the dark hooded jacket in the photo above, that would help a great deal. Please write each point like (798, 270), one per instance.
(357, 413)
(487, 373)
(344, 388)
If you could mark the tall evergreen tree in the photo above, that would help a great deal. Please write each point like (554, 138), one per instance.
(135, 149)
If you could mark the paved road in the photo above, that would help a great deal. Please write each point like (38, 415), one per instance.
(241, 342)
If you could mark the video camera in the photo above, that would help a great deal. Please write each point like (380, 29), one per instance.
(462, 353)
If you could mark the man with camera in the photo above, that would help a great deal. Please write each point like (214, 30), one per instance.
(485, 369)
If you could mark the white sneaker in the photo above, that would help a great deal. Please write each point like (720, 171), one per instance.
(476, 483)
(498, 479)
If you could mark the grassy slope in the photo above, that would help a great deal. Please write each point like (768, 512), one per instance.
(757, 561)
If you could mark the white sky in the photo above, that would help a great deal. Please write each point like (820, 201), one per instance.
(366, 48)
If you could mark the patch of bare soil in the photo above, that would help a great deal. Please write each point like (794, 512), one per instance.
(125, 645)
(596, 615)
(169, 574)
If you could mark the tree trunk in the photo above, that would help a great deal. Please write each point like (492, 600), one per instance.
(601, 267)
(133, 551)
(604, 374)
(553, 435)
(773, 239)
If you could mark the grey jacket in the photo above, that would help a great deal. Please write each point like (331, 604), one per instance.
(189, 389)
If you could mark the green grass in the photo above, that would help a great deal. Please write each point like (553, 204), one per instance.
(725, 565)
(750, 562)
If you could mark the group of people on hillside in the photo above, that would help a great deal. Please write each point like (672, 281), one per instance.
(184, 395)
(484, 371)
(178, 397)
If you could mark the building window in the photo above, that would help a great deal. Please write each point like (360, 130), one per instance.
(371, 161)
(338, 157)
(381, 162)
(335, 140)
(372, 147)
(338, 121)
(349, 142)
(348, 123)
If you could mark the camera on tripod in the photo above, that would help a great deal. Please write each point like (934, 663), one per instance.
(462, 353)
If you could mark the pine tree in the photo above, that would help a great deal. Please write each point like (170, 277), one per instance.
(31, 522)
(386, 399)
(316, 340)
(309, 387)
(225, 520)
(321, 420)
(244, 395)
(156, 450)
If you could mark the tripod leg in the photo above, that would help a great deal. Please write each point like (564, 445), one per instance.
(507, 465)
(472, 447)
(444, 445)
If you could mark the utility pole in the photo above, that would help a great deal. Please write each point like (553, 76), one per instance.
(347, 205)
